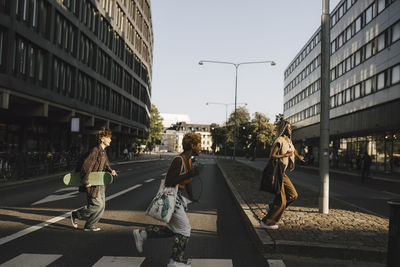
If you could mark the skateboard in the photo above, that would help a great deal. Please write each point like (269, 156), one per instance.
(95, 178)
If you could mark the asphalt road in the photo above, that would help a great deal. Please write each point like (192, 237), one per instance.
(35, 227)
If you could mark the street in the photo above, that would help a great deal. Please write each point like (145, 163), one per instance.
(35, 227)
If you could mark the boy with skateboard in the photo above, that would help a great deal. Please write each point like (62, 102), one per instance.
(96, 161)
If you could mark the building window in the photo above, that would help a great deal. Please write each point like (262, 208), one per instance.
(40, 59)
(2, 41)
(358, 24)
(396, 32)
(368, 86)
(22, 57)
(357, 91)
(380, 81)
(381, 5)
(381, 42)
(31, 60)
(396, 74)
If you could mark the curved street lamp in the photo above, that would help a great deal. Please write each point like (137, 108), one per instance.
(236, 65)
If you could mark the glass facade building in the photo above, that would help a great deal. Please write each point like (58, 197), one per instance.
(364, 86)
(87, 60)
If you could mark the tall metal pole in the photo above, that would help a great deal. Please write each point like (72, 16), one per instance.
(324, 114)
(234, 137)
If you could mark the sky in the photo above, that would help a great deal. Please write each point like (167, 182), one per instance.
(187, 31)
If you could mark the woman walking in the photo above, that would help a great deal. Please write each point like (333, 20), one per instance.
(284, 153)
(180, 172)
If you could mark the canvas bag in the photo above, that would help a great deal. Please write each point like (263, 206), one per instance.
(163, 204)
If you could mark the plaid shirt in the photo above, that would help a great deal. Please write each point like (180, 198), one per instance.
(97, 161)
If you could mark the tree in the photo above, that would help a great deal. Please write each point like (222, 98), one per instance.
(263, 133)
(218, 135)
(242, 117)
(156, 129)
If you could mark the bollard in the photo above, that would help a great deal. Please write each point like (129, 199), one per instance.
(393, 255)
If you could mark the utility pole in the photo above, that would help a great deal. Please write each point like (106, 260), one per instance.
(324, 114)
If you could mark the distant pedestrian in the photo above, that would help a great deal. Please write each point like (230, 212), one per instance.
(180, 172)
(96, 161)
(365, 166)
(284, 152)
(126, 153)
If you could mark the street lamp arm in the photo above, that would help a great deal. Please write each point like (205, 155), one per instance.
(212, 61)
(258, 62)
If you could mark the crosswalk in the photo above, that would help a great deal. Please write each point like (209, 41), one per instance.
(40, 260)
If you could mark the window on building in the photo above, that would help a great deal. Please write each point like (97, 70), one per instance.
(2, 47)
(380, 81)
(349, 63)
(396, 32)
(22, 57)
(381, 42)
(32, 61)
(368, 86)
(357, 91)
(368, 14)
(348, 95)
(396, 74)
(348, 33)
(381, 5)
(358, 24)
(368, 50)
(40, 59)
(357, 59)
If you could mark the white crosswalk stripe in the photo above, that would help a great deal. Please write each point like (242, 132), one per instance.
(111, 261)
(36, 260)
(31, 260)
(276, 263)
(211, 263)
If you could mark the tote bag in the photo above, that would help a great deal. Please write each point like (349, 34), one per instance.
(163, 204)
(269, 178)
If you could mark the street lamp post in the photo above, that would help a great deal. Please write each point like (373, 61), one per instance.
(226, 112)
(236, 65)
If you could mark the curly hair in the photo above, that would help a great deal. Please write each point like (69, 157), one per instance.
(190, 139)
(104, 132)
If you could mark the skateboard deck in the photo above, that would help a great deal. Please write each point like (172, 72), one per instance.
(95, 178)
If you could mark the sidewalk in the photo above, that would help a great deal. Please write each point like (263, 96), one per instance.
(344, 233)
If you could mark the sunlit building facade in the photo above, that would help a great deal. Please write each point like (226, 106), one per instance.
(87, 61)
(364, 86)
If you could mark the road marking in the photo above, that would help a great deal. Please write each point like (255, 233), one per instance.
(163, 174)
(33, 228)
(70, 188)
(150, 180)
(41, 225)
(129, 169)
(211, 263)
(110, 261)
(123, 192)
(32, 260)
(276, 263)
(55, 198)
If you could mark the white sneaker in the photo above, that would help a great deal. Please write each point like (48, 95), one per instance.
(269, 227)
(138, 240)
(173, 263)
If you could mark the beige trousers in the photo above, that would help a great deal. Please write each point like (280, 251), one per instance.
(281, 201)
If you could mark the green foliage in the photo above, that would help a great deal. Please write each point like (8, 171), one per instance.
(254, 136)
(156, 129)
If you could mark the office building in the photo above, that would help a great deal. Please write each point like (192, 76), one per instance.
(364, 86)
(70, 67)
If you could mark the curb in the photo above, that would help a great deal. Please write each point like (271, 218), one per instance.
(266, 244)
